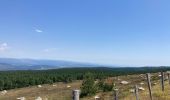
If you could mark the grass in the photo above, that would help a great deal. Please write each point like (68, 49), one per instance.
(58, 92)
(61, 92)
(157, 93)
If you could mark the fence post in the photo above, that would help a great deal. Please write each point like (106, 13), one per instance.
(162, 80)
(149, 85)
(136, 92)
(115, 94)
(169, 77)
(76, 94)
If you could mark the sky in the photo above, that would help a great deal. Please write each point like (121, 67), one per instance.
(116, 32)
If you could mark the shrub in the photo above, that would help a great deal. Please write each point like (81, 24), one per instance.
(88, 87)
(107, 87)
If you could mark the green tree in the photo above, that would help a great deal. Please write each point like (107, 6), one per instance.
(1, 85)
(100, 85)
(88, 87)
(108, 87)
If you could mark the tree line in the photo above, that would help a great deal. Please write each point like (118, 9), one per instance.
(19, 79)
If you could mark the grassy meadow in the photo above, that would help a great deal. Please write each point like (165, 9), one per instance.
(61, 91)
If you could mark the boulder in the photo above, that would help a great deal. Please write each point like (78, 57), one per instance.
(38, 98)
(131, 90)
(68, 86)
(3, 92)
(141, 88)
(141, 83)
(39, 86)
(21, 98)
(124, 82)
(96, 97)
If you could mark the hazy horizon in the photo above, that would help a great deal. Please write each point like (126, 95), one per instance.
(133, 33)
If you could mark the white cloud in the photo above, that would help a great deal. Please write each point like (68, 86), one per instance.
(3, 47)
(38, 30)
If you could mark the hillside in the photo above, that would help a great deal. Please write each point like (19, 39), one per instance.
(33, 64)
(19, 79)
(61, 91)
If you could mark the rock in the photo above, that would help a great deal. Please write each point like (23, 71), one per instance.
(154, 83)
(141, 83)
(4, 92)
(118, 79)
(68, 86)
(97, 97)
(39, 86)
(141, 75)
(141, 88)
(124, 82)
(38, 98)
(54, 85)
(21, 98)
(131, 90)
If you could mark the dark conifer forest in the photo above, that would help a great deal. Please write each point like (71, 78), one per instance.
(19, 79)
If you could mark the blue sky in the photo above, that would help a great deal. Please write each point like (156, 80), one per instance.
(123, 32)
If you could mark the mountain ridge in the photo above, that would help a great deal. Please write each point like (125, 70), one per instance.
(37, 64)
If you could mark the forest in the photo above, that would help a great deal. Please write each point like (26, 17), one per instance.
(19, 79)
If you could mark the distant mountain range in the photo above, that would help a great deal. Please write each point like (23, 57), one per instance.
(32, 64)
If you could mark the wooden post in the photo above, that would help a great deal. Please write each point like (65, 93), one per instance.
(149, 85)
(115, 94)
(169, 78)
(136, 92)
(76, 94)
(162, 80)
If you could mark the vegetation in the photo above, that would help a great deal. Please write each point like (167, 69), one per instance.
(104, 86)
(88, 86)
(62, 92)
(108, 87)
(18, 79)
(157, 93)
